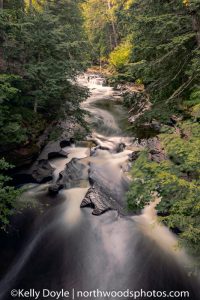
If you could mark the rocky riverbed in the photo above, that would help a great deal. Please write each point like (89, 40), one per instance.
(77, 232)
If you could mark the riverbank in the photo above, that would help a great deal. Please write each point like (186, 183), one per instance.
(84, 225)
(168, 166)
(24, 155)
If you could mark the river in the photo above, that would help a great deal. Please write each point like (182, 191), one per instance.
(68, 247)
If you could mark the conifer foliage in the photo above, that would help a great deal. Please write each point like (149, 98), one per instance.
(166, 43)
(41, 53)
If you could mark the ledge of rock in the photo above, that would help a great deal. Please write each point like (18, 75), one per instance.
(74, 173)
(109, 188)
(98, 200)
(41, 171)
(53, 149)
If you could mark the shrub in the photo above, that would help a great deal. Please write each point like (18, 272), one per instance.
(177, 182)
(120, 56)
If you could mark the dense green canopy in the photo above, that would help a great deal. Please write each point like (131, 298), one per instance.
(42, 51)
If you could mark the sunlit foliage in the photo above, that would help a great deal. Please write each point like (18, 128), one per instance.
(120, 56)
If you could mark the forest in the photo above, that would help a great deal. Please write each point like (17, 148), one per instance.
(45, 44)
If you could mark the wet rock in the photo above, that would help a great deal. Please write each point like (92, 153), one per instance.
(93, 151)
(42, 171)
(134, 155)
(66, 143)
(74, 172)
(53, 149)
(98, 200)
(120, 147)
(55, 188)
(110, 187)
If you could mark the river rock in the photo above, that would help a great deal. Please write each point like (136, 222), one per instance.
(134, 155)
(110, 185)
(74, 172)
(98, 200)
(53, 149)
(42, 171)
(120, 147)
(55, 188)
(93, 151)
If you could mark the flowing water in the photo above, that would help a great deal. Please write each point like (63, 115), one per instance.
(66, 247)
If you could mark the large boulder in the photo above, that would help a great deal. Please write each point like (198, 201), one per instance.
(74, 173)
(98, 200)
(41, 171)
(109, 187)
(53, 149)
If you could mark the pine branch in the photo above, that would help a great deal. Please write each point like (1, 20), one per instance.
(181, 89)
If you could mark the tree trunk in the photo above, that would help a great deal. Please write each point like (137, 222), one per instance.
(115, 34)
(196, 26)
(1, 4)
(100, 64)
(31, 4)
(111, 42)
(35, 106)
(113, 25)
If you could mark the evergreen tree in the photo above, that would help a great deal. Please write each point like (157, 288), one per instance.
(166, 51)
(42, 52)
(42, 43)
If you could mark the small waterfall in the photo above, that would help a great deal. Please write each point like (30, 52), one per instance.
(92, 81)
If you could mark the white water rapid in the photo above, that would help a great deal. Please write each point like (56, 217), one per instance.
(69, 248)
